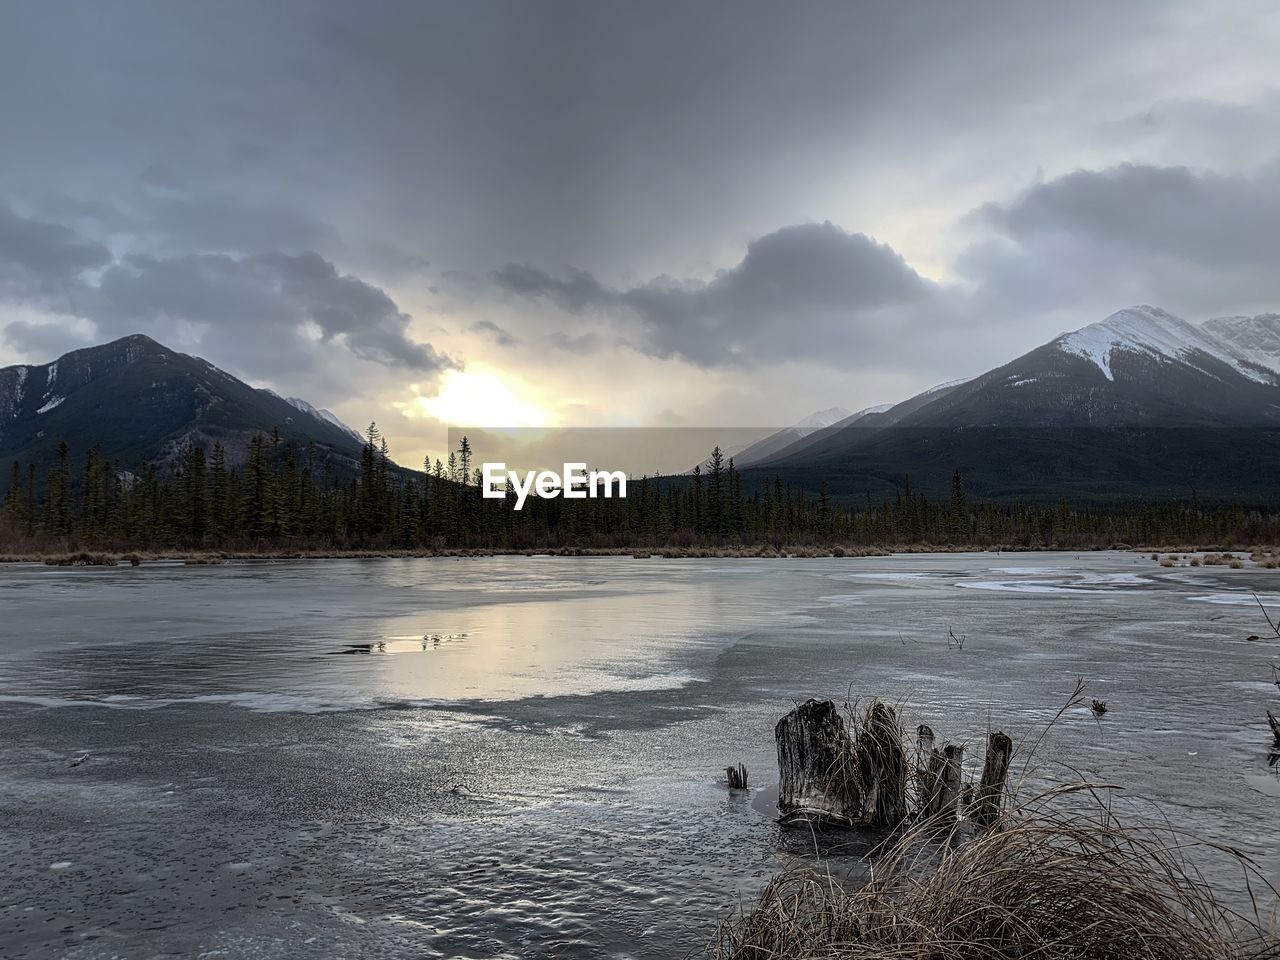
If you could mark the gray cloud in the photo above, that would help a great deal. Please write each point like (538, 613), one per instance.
(810, 291)
(218, 222)
(500, 336)
(1194, 241)
(256, 300)
(45, 251)
(243, 294)
(224, 145)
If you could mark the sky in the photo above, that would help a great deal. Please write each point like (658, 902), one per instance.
(537, 214)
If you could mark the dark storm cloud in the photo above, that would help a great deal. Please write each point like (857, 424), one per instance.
(219, 222)
(1153, 211)
(242, 297)
(232, 140)
(46, 251)
(480, 132)
(802, 291)
(1195, 241)
(239, 295)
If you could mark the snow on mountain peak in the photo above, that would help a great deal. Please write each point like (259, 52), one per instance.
(821, 419)
(1256, 339)
(326, 415)
(944, 386)
(1155, 332)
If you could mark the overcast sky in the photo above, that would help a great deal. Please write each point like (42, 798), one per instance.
(654, 213)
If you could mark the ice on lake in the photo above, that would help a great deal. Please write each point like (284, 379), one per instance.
(518, 757)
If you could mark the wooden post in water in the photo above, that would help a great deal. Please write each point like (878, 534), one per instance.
(1275, 726)
(737, 777)
(995, 770)
(818, 780)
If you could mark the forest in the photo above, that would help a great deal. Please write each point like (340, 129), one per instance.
(283, 500)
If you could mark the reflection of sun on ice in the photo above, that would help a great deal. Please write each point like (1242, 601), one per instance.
(478, 397)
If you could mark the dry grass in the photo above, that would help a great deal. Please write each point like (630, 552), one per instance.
(1046, 881)
(1058, 876)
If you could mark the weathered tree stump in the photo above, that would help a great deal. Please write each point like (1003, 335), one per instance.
(818, 776)
(995, 771)
(943, 784)
(882, 767)
(737, 777)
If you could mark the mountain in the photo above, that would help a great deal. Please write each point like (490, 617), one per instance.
(1140, 404)
(870, 418)
(1256, 339)
(326, 416)
(146, 403)
(763, 449)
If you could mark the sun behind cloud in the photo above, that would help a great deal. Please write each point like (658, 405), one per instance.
(482, 397)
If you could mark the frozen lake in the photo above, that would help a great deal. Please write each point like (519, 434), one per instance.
(518, 757)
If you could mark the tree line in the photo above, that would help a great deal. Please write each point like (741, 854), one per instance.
(285, 499)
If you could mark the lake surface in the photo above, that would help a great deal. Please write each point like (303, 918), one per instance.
(523, 757)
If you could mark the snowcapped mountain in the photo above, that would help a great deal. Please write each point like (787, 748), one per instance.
(326, 416)
(1158, 334)
(143, 402)
(1141, 403)
(1255, 339)
(822, 418)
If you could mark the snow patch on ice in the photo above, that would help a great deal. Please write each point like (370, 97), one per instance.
(1238, 599)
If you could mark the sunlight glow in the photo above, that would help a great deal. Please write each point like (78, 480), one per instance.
(479, 397)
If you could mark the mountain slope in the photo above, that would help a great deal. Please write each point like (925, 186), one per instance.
(1141, 404)
(146, 403)
(856, 425)
(1256, 339)
(764, 449)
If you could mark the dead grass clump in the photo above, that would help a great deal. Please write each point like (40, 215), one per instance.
(1046, 881)
(1167, 562)
(1236, 564)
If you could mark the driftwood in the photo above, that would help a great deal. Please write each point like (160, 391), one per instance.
(995, 770)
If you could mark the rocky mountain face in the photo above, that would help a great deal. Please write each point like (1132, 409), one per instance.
(143, 402)
(1256, 339)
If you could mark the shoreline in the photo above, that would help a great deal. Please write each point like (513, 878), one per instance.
(1266, 557)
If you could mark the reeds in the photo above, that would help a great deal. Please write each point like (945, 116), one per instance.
(1059, 876)
(1041, 883)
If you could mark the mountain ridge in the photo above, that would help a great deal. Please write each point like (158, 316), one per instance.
(1141, 403)
(146, 403)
